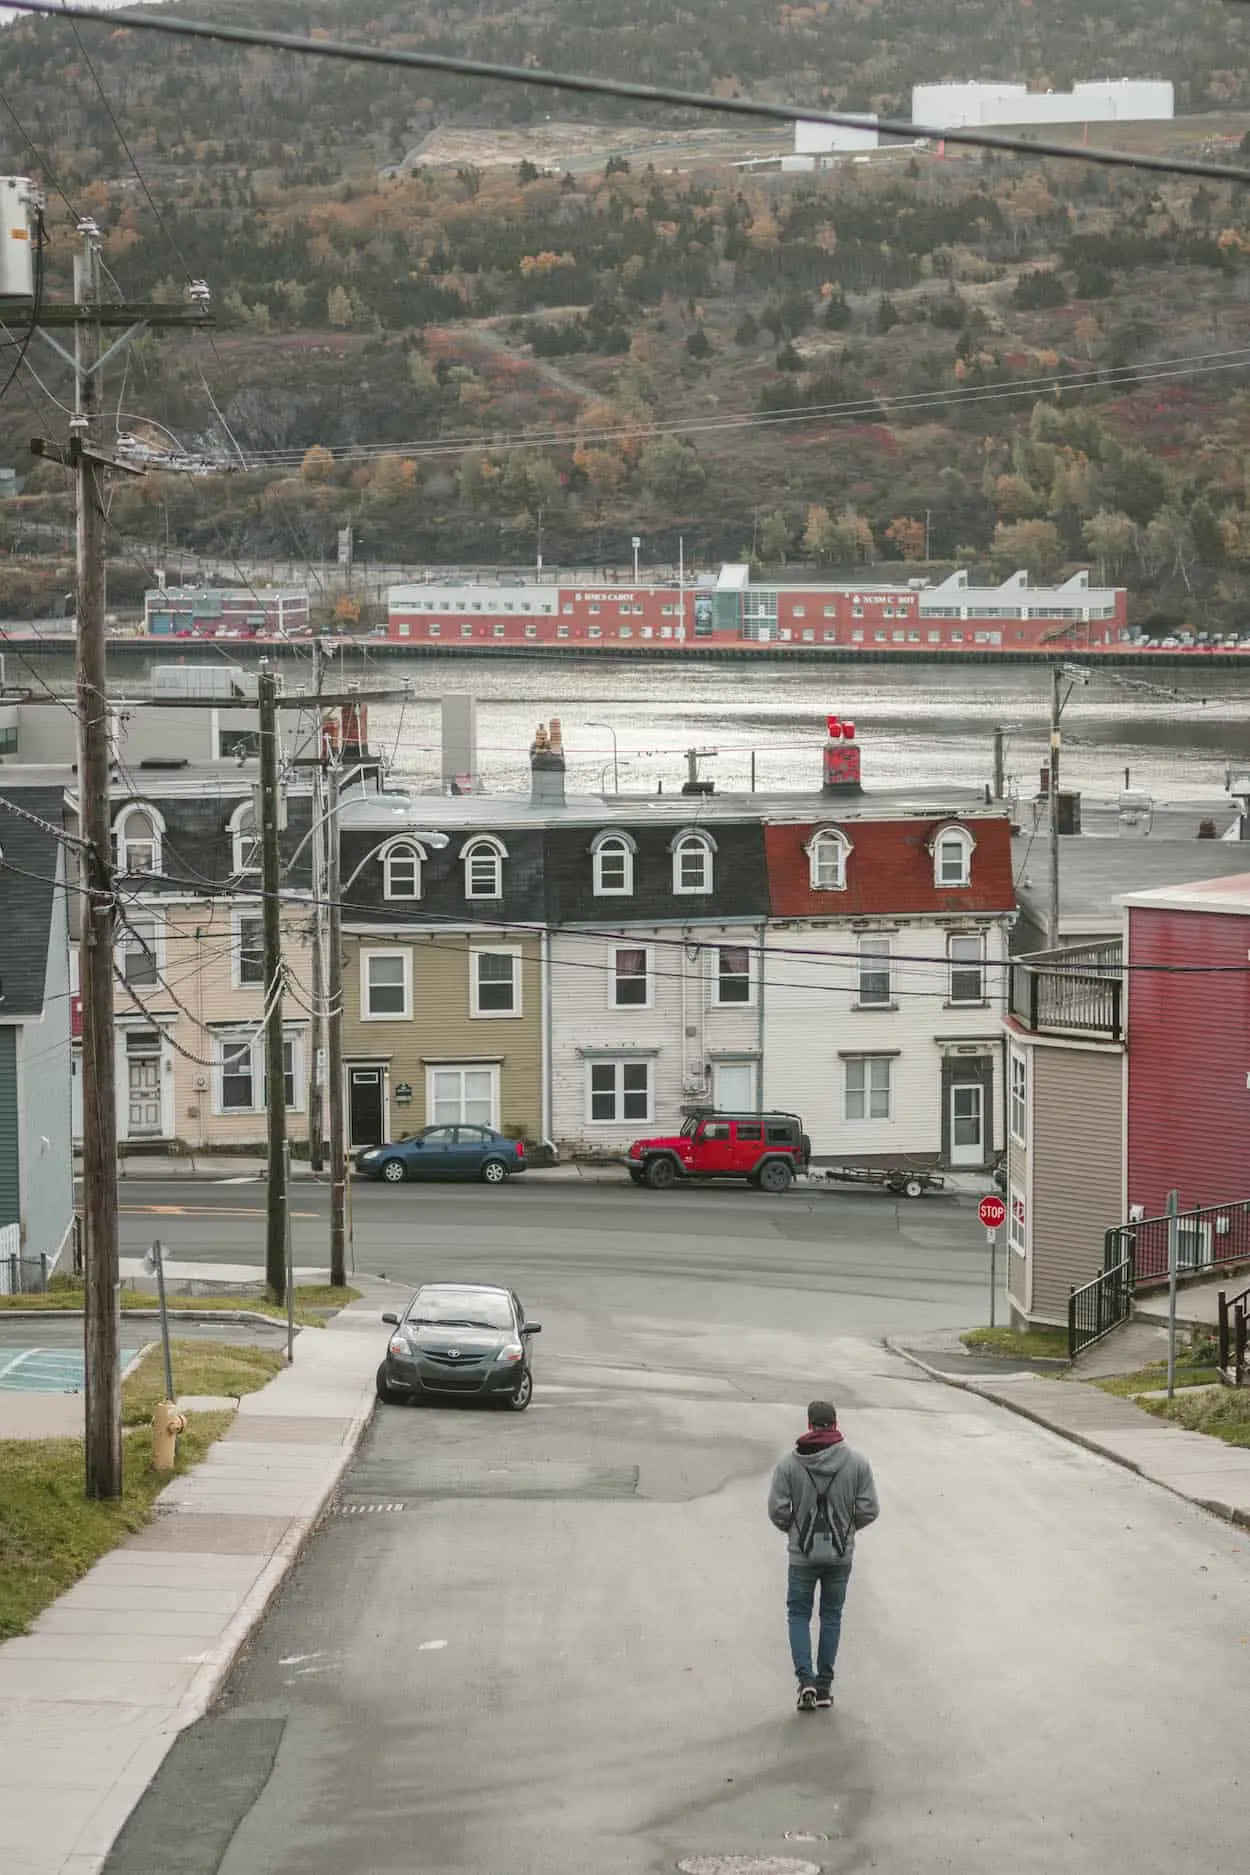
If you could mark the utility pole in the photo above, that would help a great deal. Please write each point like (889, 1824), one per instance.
(1056, 710)
(334, 1031)
(87, 317)
(275, 1064)
(1000, 779)
(102, 1301)
(316, 1056)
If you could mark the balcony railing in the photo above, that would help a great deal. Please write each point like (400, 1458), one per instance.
(1075, 991)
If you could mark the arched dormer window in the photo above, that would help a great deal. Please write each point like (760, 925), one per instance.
(827, 851)
(402, 861)
(137, 836)
(952, 856)
(613, 859)
(692, 852)
(244, 839)
(483, 859)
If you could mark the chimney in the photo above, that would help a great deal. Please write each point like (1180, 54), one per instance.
(547, 765)
(841, 759)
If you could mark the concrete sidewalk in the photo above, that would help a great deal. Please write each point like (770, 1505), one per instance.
(1195, 1466)
(92, 1699)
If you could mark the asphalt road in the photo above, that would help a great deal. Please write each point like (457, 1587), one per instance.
(554, 1643)
(842, 1262)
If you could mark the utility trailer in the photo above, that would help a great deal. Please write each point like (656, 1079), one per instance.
(905, 1181)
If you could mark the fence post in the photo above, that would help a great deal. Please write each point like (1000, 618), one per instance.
(1174, 1205)
(1222, 1356)
(1072, 1322)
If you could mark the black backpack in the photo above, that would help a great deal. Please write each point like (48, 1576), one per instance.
(821, 1523)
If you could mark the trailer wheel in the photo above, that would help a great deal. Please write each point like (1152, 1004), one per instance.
(913, 1188)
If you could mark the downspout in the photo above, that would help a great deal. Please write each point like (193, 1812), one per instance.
(684, 1056)
(759, 1020)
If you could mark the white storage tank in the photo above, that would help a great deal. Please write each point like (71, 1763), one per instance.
(17, 238)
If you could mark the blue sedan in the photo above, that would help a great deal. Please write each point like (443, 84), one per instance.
(445, 1152)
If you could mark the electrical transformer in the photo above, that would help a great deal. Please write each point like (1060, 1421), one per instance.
(17, 238)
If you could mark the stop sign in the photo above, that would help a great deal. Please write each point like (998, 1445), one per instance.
(991, 1211)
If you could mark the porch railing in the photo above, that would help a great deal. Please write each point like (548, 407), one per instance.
(1078, 990)
(1099, 1306)
(1209, 1238)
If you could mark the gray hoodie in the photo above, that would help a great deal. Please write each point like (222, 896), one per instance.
(821, 1495)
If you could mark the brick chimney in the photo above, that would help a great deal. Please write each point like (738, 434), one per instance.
(547, 765)
(841, 759)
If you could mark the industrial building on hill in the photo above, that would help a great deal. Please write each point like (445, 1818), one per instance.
(1101, 101)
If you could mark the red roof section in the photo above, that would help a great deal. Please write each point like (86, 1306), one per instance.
(889, 871)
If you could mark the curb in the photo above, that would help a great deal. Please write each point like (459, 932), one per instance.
(212, 1676)
(1240, 1520)
(221, 1316)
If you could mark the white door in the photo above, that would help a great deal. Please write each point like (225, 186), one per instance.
(144, 1091)
(967, 1100)
(733, 1086)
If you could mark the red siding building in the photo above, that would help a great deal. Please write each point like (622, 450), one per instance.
(1188, 955)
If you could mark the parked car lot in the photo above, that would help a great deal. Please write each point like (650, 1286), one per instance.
(445, 1152)
(459, 1341)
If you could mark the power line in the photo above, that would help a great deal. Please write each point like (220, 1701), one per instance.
(670, 95)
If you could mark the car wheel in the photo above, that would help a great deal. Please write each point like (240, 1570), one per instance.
(523, 1393)
(493, 1172)
(913, 1188)
(389, 1395)
(394, 1172)
(660, 1174)
(775, 1175)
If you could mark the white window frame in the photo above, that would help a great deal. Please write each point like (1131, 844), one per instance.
(435, 1068)
(483, 846)
(122, 840)
(245, 841)
(826, 841)
(253, 1039)
(512, 951)
(1017, 1221)
(410, 852)
(1018, 1096)
(618, 1116)
(719, 977)
(254, 915)
(126, 945)
(953, 837)
(404, 954)
(868, 1092)
(618, 845)
(875, 957)
(688, 840)
(965, 966)
(615, 979)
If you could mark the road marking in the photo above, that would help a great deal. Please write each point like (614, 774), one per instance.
(430, 1647)
(204, 1210)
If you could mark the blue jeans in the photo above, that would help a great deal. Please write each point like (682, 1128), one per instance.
(833, 1578)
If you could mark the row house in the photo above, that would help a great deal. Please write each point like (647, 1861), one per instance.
(581, 970)
(1128, 1078)
(189, 994)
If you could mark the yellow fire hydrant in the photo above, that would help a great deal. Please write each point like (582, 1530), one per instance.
(167, 1423)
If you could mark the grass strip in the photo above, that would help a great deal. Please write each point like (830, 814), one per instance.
(1224, 1413)
(1030, 1344)
(200, 1367)
(313, 1302)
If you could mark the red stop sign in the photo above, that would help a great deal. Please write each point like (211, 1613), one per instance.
(991, 1211)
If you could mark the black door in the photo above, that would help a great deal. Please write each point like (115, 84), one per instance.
(365, 1102)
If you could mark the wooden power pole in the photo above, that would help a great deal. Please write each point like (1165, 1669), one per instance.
(271, 930)
(334, 1033)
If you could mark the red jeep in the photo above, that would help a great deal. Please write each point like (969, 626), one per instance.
(766, 1149)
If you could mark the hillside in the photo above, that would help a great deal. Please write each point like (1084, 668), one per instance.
(381, 286)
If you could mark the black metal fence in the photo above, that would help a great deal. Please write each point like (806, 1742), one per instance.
(1209, 1238)
(1096, 1308)
(1079, 990)
(1234, 1314)
(23, 1276)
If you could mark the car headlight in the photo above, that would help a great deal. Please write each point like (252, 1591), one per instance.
(511, 1351)
(397, 1345)
(372, 1153)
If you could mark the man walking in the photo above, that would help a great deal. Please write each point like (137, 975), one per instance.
(822, 1493)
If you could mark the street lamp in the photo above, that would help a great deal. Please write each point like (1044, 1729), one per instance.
(636, 544)
(616, 767)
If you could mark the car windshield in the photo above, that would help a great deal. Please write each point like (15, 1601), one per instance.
(461, 1308)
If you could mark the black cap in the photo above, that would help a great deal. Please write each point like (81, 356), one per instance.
(822, 1413)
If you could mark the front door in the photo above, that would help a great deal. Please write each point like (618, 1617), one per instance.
(143, 1086)
(366, 1106)
(967, 1120)
(733, 1086)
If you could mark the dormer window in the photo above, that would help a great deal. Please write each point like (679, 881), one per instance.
(483, 866)
(612, 856)
(952, 857)
(244, 839)
(137, 833)
(692, 862)
(827, 854)
(401, 869)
